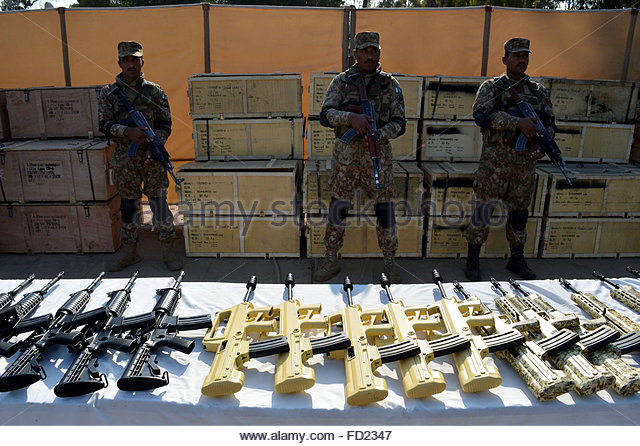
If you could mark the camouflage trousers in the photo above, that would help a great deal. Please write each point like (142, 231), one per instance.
(512, 184)
(345, 180)
(130, 173)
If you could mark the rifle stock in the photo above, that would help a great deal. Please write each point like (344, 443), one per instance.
(561, 345)
(544, 382)
(232, 348)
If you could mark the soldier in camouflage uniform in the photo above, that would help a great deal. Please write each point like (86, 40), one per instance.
(140, 174)
(503, 173)
(351, 163)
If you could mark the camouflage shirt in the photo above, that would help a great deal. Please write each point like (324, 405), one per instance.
(144, 96)
(495, 111)
(388, 103)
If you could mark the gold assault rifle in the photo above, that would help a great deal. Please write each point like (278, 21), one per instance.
(459, 317)
(392, 323)
(527, 359)
(622, 293)
(588, 378)
(362, 359)
(627, 377)
(292, 374)
(233, 349)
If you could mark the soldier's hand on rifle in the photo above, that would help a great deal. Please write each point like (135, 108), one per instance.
(136, 134)
(360, 123)
(535, 152)
(528, 127)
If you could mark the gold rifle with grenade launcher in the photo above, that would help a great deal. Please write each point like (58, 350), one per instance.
(622, 293)
(362, 359)
(292, 373)
(528, 359)
(588, 378)
(395, 323)
(233, 347)
(627, 377)
(458, 317)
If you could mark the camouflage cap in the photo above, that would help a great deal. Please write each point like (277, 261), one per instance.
(129, 49)
(517, 44)
(367, 38)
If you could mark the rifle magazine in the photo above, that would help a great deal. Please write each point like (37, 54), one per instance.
(448, 345)
(628, 343)
(502, 341)
(326, 344)
(268, 347)
(598, 338)
(400, 350)
(560, 341)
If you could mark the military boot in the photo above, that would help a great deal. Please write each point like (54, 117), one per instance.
(328, 268)
(170, 255)
(472, 270)
(128, 255)
(390, 269)
(518, 265)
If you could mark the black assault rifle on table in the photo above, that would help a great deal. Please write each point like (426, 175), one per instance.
(26, 369)
(13, 318)
(373, 139)
(83, 376)
(158, 151)
(544, 139)
(159, 330)
(6, 298)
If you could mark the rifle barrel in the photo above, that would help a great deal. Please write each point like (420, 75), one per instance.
(498, 287)
(290, 283)
(129, 284)
(597, 275)
(251, 286)
(518, 287)
(437, 278)
(633, 271)
(384, 283)
(347, 286)
(462, 291)
(567, 285)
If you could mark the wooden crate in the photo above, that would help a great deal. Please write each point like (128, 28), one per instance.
(5, 127)
(446, 238)
(221, 96)
(450, 97)
(242, 236)
(408, 191)
(450, 141)
(48, 112)
(599, 190)
(360, 238)
(592, 100)
(590, 237)
(321, 140)
(587, 141)
(231, 139)
(55, 228)
(69, 170)
(411, 90)
(449, 190)
(240, 188)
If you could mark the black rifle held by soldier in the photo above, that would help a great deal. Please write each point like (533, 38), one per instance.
(83, 376)
(544, 138)
(373, 139)
(7, 298)
(158, 151)
(142, 372)
(26, 369)
(13, 318)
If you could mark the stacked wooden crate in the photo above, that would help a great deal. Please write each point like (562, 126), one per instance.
(597, 216)
(241, 196)
(360, 234)
(57, 196)
(449, 203)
